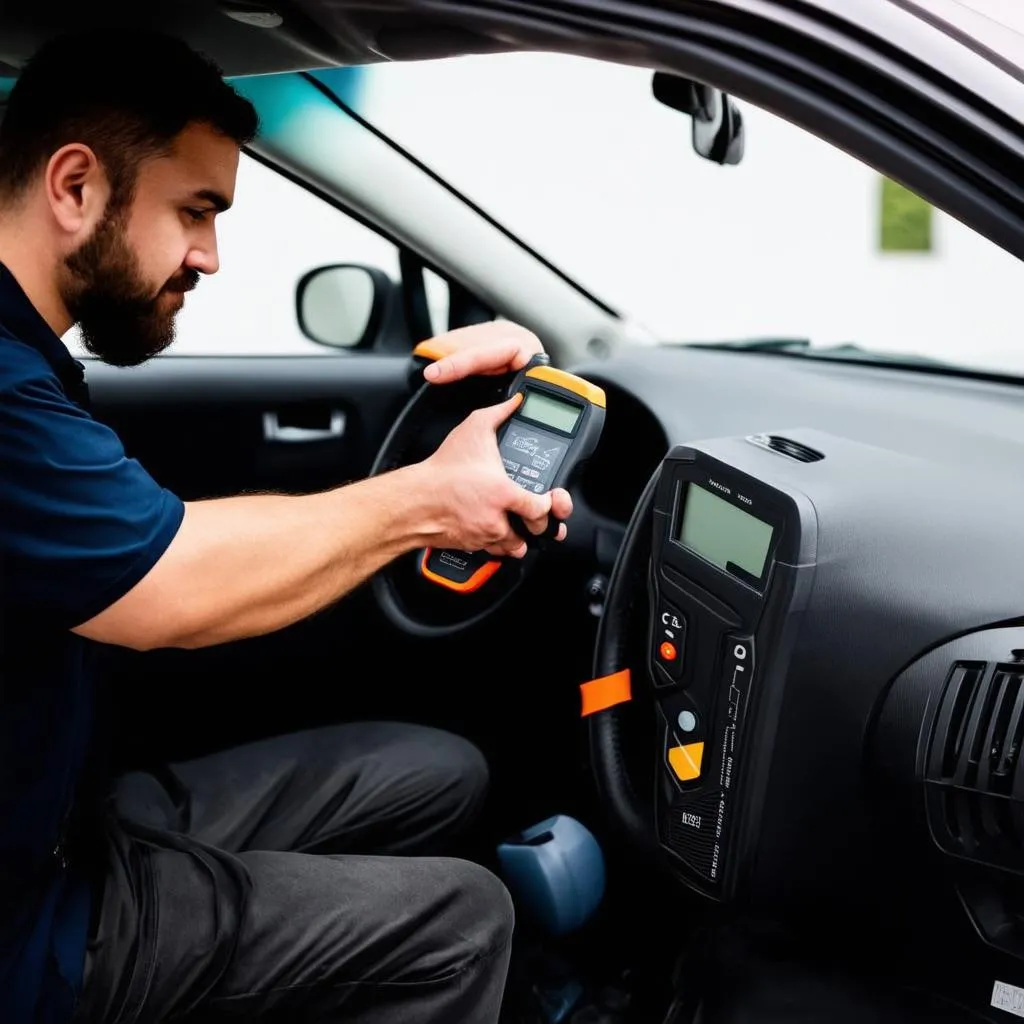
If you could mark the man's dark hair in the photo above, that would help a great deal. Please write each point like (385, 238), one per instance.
(126, 95)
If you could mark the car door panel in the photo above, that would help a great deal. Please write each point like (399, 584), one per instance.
(207, 427)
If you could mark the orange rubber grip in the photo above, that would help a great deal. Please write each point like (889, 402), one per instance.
(475, 582)
(433, 349)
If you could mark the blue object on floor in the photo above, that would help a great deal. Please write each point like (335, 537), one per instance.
(555, 872)
(559, 1001)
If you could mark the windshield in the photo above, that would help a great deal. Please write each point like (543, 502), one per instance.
(797, 241)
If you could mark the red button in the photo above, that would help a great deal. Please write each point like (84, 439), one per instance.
(667, 651)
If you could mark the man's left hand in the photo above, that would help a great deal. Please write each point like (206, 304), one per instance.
(489, 348)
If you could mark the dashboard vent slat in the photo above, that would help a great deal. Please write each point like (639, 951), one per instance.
(1004, 744)
(974, 760)
(786, 446)
(951, 726)
(978, 731)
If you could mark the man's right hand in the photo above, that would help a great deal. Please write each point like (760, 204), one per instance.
(474, 493)
(246, 566)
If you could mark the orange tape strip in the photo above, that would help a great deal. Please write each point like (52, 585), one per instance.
(606, 692)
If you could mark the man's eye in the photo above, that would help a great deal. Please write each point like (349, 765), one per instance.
(197, 215)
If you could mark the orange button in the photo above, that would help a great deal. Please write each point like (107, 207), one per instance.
(667, 651)
(686, 761)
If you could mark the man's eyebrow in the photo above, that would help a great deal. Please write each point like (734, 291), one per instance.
(216, 199)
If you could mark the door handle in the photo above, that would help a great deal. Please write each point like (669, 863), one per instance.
(274, 431)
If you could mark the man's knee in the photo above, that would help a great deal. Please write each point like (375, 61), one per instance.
(476, 919)
(438, 782)
(458, 776)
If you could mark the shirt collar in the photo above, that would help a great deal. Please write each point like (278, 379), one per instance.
(26, 323)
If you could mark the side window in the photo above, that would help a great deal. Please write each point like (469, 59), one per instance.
(437, 300)
(274, 233)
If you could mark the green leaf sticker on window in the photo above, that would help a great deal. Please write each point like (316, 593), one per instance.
(906, 220)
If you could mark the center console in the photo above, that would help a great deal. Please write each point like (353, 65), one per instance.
(732, 559)
(792, 578)
(833, 649)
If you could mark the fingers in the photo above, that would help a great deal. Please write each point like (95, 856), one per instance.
(480, 359)
(528, 506)
(561, 508)
(489, 348)
(514, 549)
(561, 503)
(534, 510)
(492, 416)
(538, 526)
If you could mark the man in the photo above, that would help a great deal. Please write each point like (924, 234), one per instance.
(262, 883)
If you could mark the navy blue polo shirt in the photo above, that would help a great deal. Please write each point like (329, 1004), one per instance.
(80, 525)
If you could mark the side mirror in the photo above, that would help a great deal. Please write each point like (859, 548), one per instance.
(342, 305)
(717, 122)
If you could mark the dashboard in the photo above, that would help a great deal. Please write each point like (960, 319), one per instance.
(663, 395)
(832, 642)
(673, 393)
(876, 774)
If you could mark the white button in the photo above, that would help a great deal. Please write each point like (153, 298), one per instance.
(687, 721)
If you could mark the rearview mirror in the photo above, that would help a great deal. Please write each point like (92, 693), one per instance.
(342, 305)
(717, 122)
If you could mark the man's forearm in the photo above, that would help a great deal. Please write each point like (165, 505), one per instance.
(249, 565)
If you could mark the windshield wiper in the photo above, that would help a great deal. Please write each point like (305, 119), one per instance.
(846, 352)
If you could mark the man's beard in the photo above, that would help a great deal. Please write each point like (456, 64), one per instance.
(118, 314)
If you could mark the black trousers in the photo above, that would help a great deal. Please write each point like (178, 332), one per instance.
(299, 879)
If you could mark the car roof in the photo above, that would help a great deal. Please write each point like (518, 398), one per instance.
(252, 37)
(265, 36)
(261, 36)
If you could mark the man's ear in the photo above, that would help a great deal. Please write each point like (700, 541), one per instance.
(76, 188)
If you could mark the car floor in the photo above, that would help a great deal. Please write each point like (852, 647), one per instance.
(648, 957)
(616, 969)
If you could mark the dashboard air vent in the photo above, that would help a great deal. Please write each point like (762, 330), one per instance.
(974, 806)
(786, 446)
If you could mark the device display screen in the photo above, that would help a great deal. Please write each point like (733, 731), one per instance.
(723, 534)
(552, 412)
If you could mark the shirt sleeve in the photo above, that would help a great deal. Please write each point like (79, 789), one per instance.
(80, 522)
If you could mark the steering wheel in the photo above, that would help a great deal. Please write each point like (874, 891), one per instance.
(616, 646)
(404, 589)
(693, 835)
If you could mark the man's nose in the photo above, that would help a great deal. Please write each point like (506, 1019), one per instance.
(204, 259)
